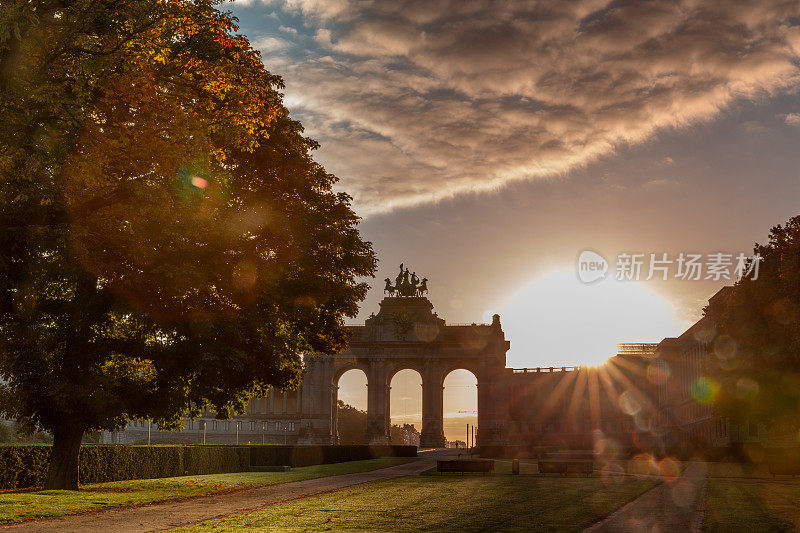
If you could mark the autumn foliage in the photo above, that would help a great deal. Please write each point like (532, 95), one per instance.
(166, 240)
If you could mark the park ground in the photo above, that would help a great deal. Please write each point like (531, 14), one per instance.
(23, 505)
(734, 498)
(748, 498)
(431, 502)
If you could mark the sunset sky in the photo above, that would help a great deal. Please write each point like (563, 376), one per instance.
(486, 144)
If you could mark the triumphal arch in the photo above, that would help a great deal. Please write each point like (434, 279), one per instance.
(407, 334)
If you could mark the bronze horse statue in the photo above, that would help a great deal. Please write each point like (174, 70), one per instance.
(404, 286)
(389, 288)
(422, 288)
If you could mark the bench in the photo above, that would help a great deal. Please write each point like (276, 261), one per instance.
(783, 461)
(785, 468)
(464, 465)
(571, 462)
(566, 466)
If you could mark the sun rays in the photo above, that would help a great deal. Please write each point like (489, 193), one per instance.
(613, 402)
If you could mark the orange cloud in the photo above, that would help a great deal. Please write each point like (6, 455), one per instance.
(415, 101)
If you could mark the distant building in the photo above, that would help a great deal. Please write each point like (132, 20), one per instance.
(256, 427)
(648, 396)
(685, 414)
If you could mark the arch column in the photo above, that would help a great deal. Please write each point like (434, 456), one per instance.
(483, 393)
(377, 404)
(329, 391)
(432, 435)
(333, 413)
(490, 419)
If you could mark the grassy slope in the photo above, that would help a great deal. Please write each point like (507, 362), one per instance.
(26, 505)
(446, 503)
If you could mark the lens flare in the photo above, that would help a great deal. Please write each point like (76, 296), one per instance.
(199, 182)
(683, 492)
(746, 387)
(704, 390)
(426, 332)
(604, 447)
(670, 468)
(725, 347)
(642, 422)
(612, 473)
(705, 332)
(629, 403)
(245, 275)
(643, 464)
(658, 372)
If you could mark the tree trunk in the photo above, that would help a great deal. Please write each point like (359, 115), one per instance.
(62, 472)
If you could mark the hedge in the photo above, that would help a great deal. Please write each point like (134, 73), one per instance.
(315, 455)
(26, 466)
(23, 466)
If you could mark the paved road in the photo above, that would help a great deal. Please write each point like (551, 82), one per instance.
(675, 505)
(164, 516)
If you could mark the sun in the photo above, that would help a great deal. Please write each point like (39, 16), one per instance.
(558, 321)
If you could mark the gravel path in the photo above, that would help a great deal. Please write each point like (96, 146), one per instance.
(164, 516)
(675, 505)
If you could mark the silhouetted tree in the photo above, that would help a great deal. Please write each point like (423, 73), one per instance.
(166, 240)
(352, 424)
(755, 352)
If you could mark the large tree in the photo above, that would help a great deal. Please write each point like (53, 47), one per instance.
(755, 352)
(166, 240)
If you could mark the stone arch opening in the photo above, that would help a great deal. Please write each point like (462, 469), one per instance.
(460, 404)
(350, 386)
(405, 406)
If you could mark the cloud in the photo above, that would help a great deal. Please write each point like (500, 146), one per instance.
(268, 44)
(414, 101)
(792, 119)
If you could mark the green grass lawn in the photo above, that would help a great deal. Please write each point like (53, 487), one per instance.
(752, 506)
(18, 506)
(447, 503)
(742, 470)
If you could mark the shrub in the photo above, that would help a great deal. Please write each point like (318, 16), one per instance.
(116, 463)
(26, 466)
(216, 459)
(283, 455)
(23, 466)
